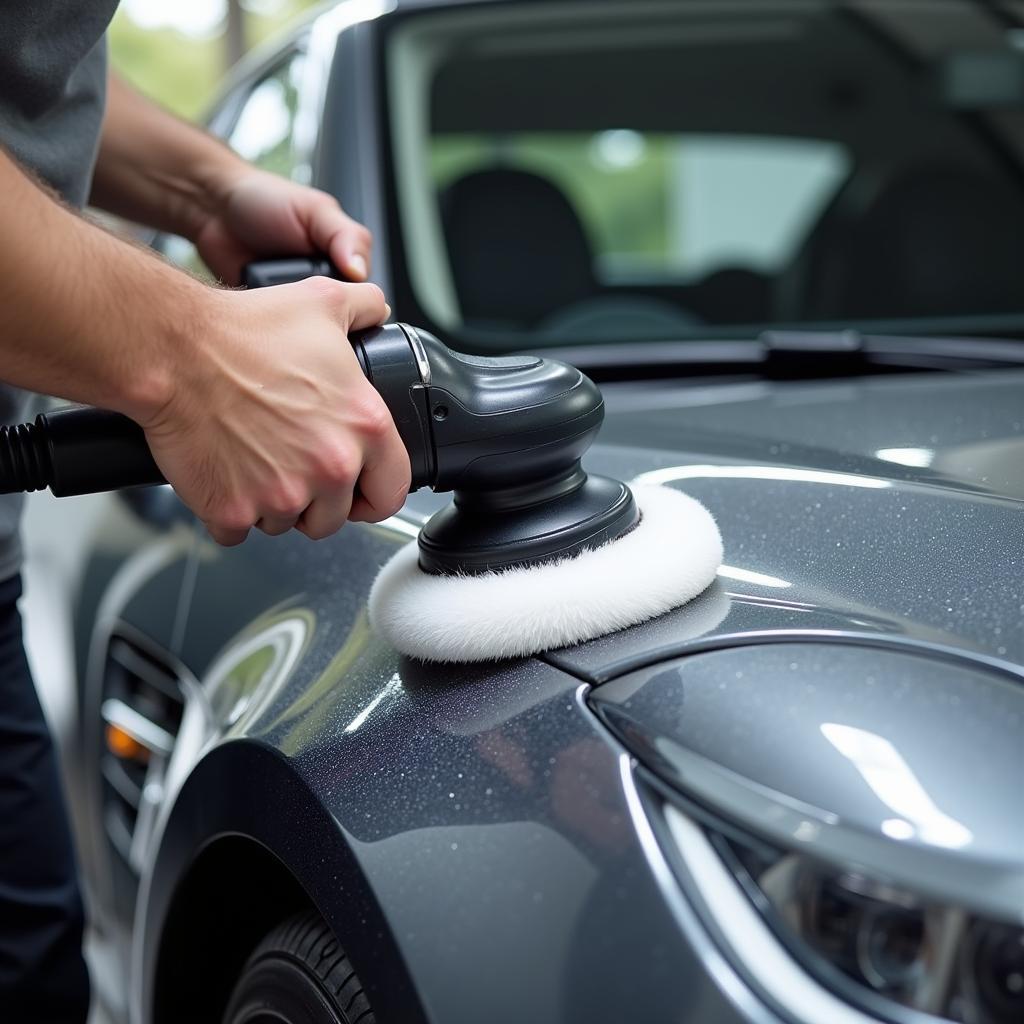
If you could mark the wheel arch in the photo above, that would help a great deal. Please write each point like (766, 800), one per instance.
(214, 900)
(248, 840)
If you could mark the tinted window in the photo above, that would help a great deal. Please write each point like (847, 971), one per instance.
(659, 206)
(576, 171)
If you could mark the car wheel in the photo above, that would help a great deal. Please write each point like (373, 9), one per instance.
(299, 974)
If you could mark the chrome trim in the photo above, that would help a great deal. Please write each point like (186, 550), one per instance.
(748, 936)
(401, 525)
(124, 654)
(118, 714)
(321, 42)
(419, 352)
(130, 577)
(113, 771)
(118, 833)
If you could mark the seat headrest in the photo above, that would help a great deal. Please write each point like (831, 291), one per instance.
(517, 248)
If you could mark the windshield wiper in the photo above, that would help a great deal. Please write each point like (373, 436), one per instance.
(791, 355)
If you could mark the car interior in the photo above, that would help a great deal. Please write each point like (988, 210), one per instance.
(863, 162)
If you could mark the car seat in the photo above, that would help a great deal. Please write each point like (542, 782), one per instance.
(936, 240)
(520, 259)
(517, 248)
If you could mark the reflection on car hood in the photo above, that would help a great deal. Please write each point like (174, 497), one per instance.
(961, 431)
(877, 507)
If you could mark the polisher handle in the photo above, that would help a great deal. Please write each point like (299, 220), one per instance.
(78, 449)
(264, 273)
(82, 450)
(503, 432)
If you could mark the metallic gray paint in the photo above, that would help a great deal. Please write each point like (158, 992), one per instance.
(907, 765)
(821, 536)
(483, 807)
(474, 835)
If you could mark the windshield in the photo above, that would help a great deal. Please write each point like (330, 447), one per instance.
(579, 172)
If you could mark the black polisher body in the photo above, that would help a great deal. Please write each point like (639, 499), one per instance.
(505, 434)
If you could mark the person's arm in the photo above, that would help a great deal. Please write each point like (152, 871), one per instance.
(253, 402)
(157, 170)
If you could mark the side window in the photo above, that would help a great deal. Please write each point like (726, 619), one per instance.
(262, 134)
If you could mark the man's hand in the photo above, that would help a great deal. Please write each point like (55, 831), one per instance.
(253, 403)
(254, 214)
(270, 421)
(157, 170)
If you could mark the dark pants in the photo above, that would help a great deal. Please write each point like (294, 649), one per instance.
(42, 973)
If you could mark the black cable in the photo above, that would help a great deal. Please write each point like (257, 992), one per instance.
(24, 459)
(77, 450)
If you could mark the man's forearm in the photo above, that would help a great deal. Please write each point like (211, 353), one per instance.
(254, 407)
(70, 296)
(155, 169)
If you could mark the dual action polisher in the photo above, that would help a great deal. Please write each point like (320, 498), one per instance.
(532, 554)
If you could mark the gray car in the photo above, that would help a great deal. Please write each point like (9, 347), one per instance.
(787, 238)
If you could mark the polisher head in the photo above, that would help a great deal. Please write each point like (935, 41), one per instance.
(544, 521)
(670, 556)
(532, 553)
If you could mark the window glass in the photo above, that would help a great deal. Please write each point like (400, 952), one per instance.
(667, 169)
(263, 132)
(672, 207)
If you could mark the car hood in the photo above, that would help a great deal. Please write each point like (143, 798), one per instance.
(871, 508)
(873, 554)
(958, 431)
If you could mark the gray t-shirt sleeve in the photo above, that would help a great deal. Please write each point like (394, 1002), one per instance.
(53, 76)
(53, 72)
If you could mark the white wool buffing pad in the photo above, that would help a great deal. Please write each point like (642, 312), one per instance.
(665, 561)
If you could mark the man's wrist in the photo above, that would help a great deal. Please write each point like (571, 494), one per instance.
(181, 320)
(155, 169)
(208, 187)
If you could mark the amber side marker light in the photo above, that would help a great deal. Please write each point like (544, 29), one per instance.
(120, 744)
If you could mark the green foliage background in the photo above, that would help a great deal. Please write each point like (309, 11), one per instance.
(624, 210)
(183, 72)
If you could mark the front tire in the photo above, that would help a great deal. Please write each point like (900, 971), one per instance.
(299, 974)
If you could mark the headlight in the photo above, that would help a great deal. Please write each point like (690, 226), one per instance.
(887, 941)
(870, 796)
